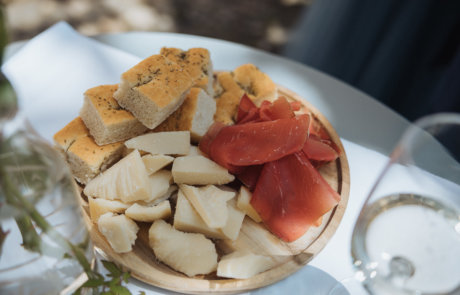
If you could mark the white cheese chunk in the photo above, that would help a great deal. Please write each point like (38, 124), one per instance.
(189, 253)
(98, 206)
(243, 265)
(244, 204)
(195, 151)
(126, 180)
(234, 221)
(210, 202)
(119, 230)
(199, 170)
(160, 182)
(187, 219)
(166, 143)
(149, 214)
(171, 190)
(153, 163)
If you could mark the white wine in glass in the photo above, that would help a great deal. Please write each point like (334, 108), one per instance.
(407, 237)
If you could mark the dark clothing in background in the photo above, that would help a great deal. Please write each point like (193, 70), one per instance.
(404, 53)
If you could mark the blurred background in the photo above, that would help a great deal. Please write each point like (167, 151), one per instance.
(404, 53)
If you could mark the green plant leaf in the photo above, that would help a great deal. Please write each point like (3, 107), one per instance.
(91, 283)
(120, 290)
(126, 277)
(112, 268)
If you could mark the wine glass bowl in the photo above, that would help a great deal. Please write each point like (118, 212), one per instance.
(407, 237)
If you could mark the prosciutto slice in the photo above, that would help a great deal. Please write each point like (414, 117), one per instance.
(290, 196)
(257, 143)
(319, 150)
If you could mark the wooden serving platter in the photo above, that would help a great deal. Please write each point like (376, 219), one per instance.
(288, 257)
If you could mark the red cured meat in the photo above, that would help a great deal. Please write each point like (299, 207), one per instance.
(257, 143)
(279, 109)
(247, 111)
(206, 140)
(296, 105)
(317, 150)
(250, 175)
(290, 196)
(268, 111)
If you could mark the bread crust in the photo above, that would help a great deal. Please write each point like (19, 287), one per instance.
(230, 87)
(106, 120)
(153, 89)
(197, 62)
(85, 158)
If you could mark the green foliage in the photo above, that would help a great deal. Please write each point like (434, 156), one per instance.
(112, 285)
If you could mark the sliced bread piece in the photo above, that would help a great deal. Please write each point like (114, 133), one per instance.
(195, 115)
(258, 85)
(229, 97)
(85, 158)
(153, 89)
(197, 62)
(230, 87)
(106, 120)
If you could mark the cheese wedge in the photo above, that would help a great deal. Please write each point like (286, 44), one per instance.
(199, 170)
(188, 220)
(119, 230)
(195, 151)
(171, 190)
(153, 163)
(189, 253)
(243, 265)
(126, 180)
(210, 202)
(98, 207)
(149, 214)
(244, 204)
(166, 143)
(234, 221)
(159, 182)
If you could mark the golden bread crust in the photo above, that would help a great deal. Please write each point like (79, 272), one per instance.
(85, 158)
(153, 89)
(230, 87)
(196, 61)
(110, 112)
(65, 137)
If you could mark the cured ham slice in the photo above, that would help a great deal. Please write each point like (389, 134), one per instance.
(279, 109)
(206, 140)
(268, 111)
(317, 150)
(290, 196)
(257, 143)
(247, 111)
(250, 175)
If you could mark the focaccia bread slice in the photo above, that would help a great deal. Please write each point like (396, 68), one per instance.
(195, 115)
(153, 89)
(230, 86)
(197, 62)
(106, 120)
(85, 158)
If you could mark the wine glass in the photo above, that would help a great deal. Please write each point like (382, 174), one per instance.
(407, 236)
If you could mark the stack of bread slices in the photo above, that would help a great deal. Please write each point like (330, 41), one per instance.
(133, 150)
